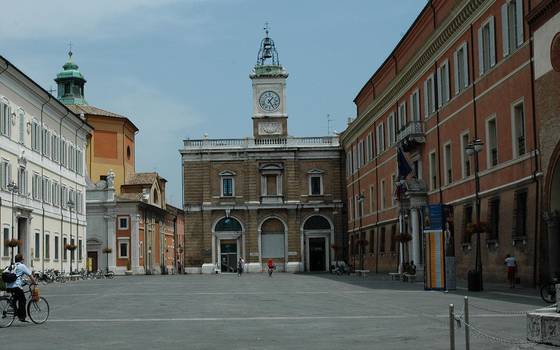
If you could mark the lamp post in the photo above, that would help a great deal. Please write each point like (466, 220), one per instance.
(475, 277)
(13, 188)
(70, 205)
(361, 198)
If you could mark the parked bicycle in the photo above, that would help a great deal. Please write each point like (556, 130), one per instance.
(37, 308)
(548, 291)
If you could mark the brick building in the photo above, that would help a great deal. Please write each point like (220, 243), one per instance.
(272, 196)
(462, 72)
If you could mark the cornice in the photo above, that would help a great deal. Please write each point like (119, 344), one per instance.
(542, 12)
(461, 15)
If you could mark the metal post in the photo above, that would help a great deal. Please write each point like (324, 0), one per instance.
(12, 261)
(466, 315)
(71, 251)
(451, 328)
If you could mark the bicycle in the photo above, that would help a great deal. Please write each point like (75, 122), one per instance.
(548, 291)
(37, 308)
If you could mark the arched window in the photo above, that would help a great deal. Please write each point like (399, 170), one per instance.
(317, 222)
(272, 238)
(155, 197)
(228, 224)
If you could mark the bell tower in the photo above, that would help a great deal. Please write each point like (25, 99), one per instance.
(269, 92)
(70, 83)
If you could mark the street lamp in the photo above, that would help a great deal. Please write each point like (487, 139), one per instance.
(475, 277)
(13, 188)
(70, 205)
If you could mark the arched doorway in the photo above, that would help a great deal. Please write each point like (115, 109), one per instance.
(318, 233)
(273, 241)
(227, 242)
(552, 214)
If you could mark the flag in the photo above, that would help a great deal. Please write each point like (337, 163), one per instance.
(402, 163)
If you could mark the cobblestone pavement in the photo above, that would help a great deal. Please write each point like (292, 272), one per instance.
(257, 312)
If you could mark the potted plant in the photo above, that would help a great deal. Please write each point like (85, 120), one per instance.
(70, 246)
(403, 237)
(12, 243)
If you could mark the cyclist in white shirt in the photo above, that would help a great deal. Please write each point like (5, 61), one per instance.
(16, 288)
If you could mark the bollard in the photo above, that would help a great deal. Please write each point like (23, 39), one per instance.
(466, 316)
(451, 328)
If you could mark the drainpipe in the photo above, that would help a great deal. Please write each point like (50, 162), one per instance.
(76, 191)
(42, 190)
(536, 164)
(61, 240)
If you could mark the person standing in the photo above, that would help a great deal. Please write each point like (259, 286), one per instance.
(16, 287)
(270, 266)
(240, 264)
(511, 264)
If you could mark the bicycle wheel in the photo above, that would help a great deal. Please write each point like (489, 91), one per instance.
(7, 313)
(38, 311)
(548, 293)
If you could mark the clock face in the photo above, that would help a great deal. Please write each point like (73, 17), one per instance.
(269, 101)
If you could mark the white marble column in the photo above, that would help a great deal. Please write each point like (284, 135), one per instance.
(135, 243)
(111, 236)
(415, 236)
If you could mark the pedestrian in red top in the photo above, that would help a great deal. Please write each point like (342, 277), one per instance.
(270, 265)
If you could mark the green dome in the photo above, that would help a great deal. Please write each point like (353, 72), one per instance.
(71, 83)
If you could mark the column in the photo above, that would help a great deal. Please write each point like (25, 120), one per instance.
(415, 227)
(135, 243)
(111, 241)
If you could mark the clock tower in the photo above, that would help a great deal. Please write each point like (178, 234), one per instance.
(269, 93)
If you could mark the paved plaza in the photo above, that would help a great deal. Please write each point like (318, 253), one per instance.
(286, 311)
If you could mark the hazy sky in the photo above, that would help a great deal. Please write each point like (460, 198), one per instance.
(179, 68)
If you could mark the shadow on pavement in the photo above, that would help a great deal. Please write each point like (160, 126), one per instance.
(492, 291)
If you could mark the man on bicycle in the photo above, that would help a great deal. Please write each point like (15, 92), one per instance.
(16, 288)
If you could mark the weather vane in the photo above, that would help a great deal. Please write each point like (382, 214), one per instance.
(70, 49)
(266, 28)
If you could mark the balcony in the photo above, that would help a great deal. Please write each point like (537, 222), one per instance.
(271, 142)
(411, 136)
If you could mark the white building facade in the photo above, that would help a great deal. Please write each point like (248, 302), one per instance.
(42, 177)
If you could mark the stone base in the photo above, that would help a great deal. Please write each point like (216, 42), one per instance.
(209, 269)
(193, 270)
(294, 267)
(543, 326)
(254, 268)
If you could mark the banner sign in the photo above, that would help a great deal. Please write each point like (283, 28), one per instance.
(435, 257)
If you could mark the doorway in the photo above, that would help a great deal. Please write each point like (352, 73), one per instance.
(228, 255)
(317, 254)
(94, 263)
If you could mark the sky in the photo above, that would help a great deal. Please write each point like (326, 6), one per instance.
(180, 68)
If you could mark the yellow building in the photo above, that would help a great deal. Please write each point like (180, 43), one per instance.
(111, 146)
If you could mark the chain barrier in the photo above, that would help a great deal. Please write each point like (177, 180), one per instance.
(474, 306)
(493, 338)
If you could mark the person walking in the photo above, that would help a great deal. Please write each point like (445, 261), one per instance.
(511, 264)
(16, 287)
(240, 264)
